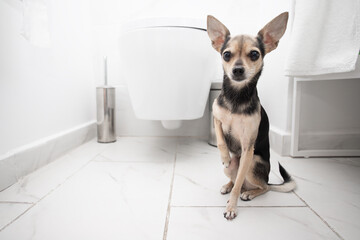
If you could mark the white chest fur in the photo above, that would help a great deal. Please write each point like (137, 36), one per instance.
(243, 127)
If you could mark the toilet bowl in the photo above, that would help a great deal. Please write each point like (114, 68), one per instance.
(168, 64)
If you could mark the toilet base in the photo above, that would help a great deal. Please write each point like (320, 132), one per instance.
(171, 124)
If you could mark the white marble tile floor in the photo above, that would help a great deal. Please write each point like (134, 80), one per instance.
(169, 188)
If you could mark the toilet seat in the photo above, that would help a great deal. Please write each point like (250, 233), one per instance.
(195, 23)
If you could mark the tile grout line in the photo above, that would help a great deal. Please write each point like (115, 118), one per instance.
(8, 186)
(239, 206)
(119, 162)
(170, 196)
(311, 209)
(323, 220)
(51, 191)
(13, 202)
(12, 221)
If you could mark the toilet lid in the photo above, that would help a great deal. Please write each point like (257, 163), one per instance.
(195, 23)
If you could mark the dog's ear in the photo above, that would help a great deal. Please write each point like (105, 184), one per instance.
(273, 31)
(217, 32)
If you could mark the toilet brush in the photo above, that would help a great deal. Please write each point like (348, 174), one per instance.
(105, 103)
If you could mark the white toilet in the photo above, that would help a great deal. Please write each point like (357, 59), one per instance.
(168, 64)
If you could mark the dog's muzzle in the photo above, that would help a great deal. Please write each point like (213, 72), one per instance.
(238, 73)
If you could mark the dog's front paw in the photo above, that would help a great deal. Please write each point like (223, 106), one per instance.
(226, 164)
(230, 212)
(226, 161)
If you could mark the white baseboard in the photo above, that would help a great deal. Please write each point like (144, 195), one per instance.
(28, 158)
(280, 141)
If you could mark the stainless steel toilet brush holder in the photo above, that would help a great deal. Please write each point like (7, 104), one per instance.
(105, 101)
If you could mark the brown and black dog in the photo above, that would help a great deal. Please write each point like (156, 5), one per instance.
(241, 123)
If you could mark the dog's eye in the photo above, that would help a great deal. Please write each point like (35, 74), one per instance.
(254, 55)
(227, 56)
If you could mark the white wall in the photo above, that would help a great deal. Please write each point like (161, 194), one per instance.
(45, 91)
(239, 16)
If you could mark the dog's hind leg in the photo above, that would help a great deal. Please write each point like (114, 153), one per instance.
(260, 188)
(256, 179)
(227, 188)
(251, 194)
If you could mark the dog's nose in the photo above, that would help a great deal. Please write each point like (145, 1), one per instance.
(238, 71)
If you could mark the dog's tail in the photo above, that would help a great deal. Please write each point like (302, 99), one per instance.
(288, 184)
